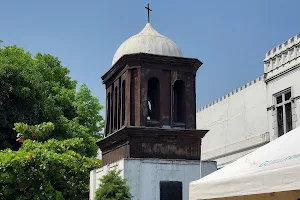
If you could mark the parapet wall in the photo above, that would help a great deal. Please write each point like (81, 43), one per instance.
(282, 47)
(282, 58)
(261, 78)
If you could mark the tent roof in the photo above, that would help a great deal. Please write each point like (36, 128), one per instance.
(273, 167)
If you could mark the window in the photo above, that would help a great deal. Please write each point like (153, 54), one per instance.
(179, 101)
(284, 112)
(153, 99)
(170, 190)
(280, 121)
(123, 103)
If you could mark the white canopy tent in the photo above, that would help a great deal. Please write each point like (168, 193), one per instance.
(273, 169)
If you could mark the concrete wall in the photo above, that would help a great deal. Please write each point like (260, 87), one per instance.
(237, 122)
(144, 175)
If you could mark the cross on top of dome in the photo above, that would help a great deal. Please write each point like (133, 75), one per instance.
(148, 9)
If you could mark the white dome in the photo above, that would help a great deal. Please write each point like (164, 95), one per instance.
(148, 41)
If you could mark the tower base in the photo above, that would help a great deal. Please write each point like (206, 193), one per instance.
(153, 179)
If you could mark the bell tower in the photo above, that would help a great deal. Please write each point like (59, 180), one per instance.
(151, 101)
(147, 90)
(150, 130)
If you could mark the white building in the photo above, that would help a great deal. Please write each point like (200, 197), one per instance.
(256, 113)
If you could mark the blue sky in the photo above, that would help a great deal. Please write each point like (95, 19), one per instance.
(230, 37)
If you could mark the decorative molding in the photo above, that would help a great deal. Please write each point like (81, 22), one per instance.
(282, 56)
(271, 108)
(296, 97)
(283, 47)
(297, 66)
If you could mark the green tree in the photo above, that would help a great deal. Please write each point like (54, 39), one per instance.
(88, 108)
(45, 171)
(38, 89)
(52, 126)
(113, 187)
(19, 96)
(45, 168)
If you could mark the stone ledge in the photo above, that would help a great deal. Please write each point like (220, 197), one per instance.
(284, 70)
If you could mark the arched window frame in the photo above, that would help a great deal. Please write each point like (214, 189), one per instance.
(153, 99)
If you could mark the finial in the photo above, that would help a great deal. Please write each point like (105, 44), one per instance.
(148, 8)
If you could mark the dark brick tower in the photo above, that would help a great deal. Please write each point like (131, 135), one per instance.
(151, 105)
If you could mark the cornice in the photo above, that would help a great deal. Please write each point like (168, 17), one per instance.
(127, 132)
(281, 73)
(139, 59)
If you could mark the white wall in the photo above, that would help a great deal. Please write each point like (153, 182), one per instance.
(144, 175)
(237, 123)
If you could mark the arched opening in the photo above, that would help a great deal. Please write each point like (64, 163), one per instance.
(116, 108)
(153, 99)
(123, 102)
(108, 114)
(119, 106)
(111, 111)
(179, 102)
